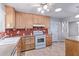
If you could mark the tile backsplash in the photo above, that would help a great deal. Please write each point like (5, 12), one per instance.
(2, 34)
(22, 32)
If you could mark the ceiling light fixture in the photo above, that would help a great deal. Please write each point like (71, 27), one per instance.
(77, 16)
(47, 9)
(43, 7)
(39, 9)
(42, 11)
(58, 9)
(77, 22)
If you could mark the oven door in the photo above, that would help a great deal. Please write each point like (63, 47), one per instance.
(40, 40)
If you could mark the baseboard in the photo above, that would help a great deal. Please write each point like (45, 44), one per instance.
(57, 41)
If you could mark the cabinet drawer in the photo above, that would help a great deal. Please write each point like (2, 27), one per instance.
(27, 41)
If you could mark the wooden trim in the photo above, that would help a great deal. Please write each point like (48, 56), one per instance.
(33, 14)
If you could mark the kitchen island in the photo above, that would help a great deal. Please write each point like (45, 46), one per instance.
(72, 46)
(8, 46)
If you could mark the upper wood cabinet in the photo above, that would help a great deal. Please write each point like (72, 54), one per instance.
(46, 21)
(35, 19)
(26, 20)
(10, 17)
(43, 20)
(23, 20)
(29, 22)
(20, 22)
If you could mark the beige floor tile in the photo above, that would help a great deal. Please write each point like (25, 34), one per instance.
(57, 49)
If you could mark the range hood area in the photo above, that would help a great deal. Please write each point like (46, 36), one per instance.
(38, 25)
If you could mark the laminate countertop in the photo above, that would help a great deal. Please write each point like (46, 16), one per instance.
(8, 45)
(75, 38)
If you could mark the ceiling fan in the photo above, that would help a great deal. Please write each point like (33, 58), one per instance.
(42, 7)
(41, 4)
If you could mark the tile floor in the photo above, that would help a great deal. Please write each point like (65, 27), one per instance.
(57, 49)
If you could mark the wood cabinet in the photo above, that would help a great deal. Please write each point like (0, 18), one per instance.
(48, 40)
(37, 19)
(42, 20)
(29, 22)
(28, 43)
(23, 20)
(26, 20)
(19, 20)
(71, 48)
(24, 44)
(47, 22)
(19, 48)
(10, 17)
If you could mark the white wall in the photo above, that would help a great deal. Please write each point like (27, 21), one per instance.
(64, 29)
(73, 27)
(59, 28)
(2, 18)
(55, 29)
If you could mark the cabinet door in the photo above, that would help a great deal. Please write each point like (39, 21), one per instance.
(22, 44)
(32, 41)
(10, 17)
(20, 22)
(48, 41)
(28, 43)
(23, 20)
(18, 48)
(28, 20)
(71, 48)
(68, 48)
(46, 22)
(32, 46)
(35, 19)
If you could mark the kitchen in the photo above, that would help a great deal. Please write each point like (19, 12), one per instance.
(43, 29)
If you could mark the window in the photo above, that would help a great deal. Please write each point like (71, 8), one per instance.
(2, 19)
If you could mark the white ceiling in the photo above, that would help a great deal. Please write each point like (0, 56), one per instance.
(68, 9)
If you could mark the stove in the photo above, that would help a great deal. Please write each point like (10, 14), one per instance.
(40, 39)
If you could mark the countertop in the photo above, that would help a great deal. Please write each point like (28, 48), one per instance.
(7, 48)
(37, 35)
(75, 38)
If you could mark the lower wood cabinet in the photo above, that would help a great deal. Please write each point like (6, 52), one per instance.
(48, 40)
(27, 43)
(18, 48)
(24, 44)
(32, 46)
(71, 48)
